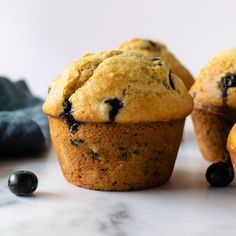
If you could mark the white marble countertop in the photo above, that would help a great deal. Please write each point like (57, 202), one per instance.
(184, 206)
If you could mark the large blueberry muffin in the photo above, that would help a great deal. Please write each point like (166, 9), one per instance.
(214, 93)
(116, 120)
(151, 48)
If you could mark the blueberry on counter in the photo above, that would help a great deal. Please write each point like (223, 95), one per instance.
(23, 183)
(220, 174)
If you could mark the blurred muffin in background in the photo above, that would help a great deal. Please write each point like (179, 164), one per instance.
(151, 48)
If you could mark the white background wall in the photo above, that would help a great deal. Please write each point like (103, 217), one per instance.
(38, 38)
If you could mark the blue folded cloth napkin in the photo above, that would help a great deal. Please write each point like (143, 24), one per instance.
(23, 126)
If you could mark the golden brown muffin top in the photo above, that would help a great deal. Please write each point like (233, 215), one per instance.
(118, 86)
(215, 87)
(151, 48)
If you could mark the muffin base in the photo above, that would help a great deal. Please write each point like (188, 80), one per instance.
(211, 130)
(112, 156)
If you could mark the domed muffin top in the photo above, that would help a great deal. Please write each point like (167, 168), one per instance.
(215, 87)
(118, 86)
(150, 48)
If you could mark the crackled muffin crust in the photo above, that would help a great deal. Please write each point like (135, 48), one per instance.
(118, 86)
(151, 48)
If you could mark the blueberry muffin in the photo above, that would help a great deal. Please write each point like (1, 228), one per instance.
(214, 114)
(150, 48)
(116, 120)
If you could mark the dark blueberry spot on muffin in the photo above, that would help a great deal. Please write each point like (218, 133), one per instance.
(114, 183)
(160, 153)
(104, 169)
(226, 82)
(155, 58)
(123, 153)
(155, 173)
(149, 82)
(115, 105)
(94, 155)
(76, 142)
(68, 117)
(66, 106)
(136, 151)
(49, 89)
(166, 84)
(152, 45)
(124, 92)
(172, 84)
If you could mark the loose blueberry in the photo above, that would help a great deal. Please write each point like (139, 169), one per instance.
(220, 174)
(23, 183)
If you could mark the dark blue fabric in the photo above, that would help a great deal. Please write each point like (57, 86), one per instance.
(23, 126)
